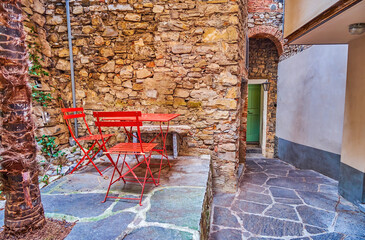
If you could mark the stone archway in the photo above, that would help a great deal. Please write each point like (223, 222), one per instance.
(274, 34)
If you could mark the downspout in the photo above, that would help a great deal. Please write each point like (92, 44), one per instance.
(71, 60)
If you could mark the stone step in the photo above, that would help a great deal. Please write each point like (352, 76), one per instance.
(253, 149)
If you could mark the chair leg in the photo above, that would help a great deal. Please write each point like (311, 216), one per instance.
(145, 179)
(111, 182)
(148, 160)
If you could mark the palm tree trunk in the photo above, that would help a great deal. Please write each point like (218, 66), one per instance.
(23, 209)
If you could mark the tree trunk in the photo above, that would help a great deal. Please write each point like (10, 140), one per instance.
(23, 209)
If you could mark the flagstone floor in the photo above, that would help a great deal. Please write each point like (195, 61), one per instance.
(277, 201)
(171, 210)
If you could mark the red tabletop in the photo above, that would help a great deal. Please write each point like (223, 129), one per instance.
(151, 117)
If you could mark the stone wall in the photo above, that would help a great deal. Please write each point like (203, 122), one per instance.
(264, 59)
(154, 56)
(48, 120)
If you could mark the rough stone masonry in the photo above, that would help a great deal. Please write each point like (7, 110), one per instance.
(156, 56)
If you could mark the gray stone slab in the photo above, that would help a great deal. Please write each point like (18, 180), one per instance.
(303, 173)
(289, 201)
(231, 234)
(321, 180)
(328, 236)
(78, 205)
(354, 238)
(252, 166)
(255, 178)
(268, 226)
(223, 199)
(332, 189)
(263, 238)
(315, 217)
(246, 186)
(174, 206)
(292, 183)
(320, 200)
(224, 217)
(314, 230)
(101, 229)
(255, 197)
(123, 204)
(277, 172)
(283, 193)
(351, 223)
(158, 233)
(248, 207)
(282, 211)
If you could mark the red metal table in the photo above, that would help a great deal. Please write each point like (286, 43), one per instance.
(155, 117)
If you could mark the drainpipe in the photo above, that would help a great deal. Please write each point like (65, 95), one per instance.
(71, 60)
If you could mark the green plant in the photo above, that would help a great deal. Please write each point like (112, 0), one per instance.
(45, 179)
(49, 147)
(35, 68)
(59, 169)
(41, 97)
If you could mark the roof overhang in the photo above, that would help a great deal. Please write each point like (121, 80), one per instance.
(331, 26)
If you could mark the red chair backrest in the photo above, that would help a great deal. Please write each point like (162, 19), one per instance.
(118, 119)
(69, 113)
(73, 113)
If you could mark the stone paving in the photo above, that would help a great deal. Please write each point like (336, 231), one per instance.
(277, 201)
(173, 210)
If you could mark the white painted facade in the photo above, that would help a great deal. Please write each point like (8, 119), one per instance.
(311, 97)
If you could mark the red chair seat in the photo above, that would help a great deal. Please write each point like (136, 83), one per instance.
(131, 148)
(94, 137)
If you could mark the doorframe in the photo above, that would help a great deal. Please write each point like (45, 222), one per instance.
(263, 113)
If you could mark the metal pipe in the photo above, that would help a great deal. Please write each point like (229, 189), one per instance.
(71, 60)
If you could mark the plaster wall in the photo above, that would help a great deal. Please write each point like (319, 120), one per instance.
(311, 96)
(299, 12)
(353, 151)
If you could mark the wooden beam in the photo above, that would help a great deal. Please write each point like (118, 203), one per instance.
(325, 16)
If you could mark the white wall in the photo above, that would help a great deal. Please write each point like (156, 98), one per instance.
(311, 97)
(353, 151)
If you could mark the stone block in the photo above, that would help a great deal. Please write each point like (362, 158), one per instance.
(132, 17)
(106, 52)
(181, 48)
(110, 32)
(78, 10)
(63, 65)
(120, 7)
(108, 67)
(38, 7)
(143, 73)
(179, 92)
(158, 9)
(54, 20)
(203, 94)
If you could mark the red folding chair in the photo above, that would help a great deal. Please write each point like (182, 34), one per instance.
(74, 113)
(127, 119)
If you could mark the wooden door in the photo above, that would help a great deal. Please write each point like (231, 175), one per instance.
(253, 113)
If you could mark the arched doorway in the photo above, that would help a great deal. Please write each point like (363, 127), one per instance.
(261, 105)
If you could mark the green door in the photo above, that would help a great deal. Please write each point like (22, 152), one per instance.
(253, 113)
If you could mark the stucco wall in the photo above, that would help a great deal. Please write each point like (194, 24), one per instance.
(354, 129)
(311, 97)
